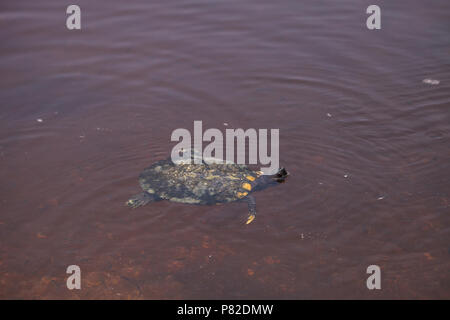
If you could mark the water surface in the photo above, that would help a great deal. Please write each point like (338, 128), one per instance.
(365, 140)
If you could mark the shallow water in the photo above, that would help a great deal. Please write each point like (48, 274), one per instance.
(365, 140)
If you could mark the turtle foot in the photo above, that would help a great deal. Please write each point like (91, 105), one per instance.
(251, 217)
(138, 200)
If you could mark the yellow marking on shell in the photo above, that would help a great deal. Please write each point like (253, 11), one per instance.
(246, 186)
(241, 194)
(251, 178)
(250, 219)
(259, 173)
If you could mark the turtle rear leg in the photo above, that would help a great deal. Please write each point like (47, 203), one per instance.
(141, 199)
(251, 209)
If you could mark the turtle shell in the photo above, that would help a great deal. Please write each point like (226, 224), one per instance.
(197, 183)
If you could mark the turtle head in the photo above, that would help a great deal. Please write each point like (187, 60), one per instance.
(265, 181)
(280, 176)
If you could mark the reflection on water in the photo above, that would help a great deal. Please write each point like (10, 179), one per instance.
(364, 138)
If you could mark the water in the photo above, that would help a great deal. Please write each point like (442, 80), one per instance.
(365, 140)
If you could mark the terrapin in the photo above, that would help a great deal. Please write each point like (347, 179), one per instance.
(206, 183)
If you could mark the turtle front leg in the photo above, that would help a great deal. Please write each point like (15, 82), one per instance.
(251, 209)
(141, 199)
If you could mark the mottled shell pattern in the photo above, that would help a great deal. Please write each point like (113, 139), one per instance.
(198, 183)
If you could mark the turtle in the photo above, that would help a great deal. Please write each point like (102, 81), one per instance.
(206, 183)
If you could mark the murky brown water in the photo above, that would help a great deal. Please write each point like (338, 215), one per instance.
(365, 140)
